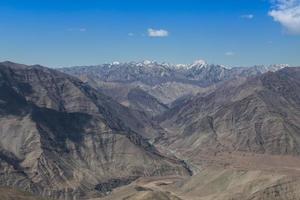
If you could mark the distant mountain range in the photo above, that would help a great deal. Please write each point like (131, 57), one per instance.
(153, 73)
(163, 81)
(148, 130)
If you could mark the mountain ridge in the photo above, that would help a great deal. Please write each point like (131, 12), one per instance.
(62, 139)
(162, 72)
(258, 115)
(165, 82)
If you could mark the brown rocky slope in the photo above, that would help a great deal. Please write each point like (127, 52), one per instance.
(259, 115)
(62, 139)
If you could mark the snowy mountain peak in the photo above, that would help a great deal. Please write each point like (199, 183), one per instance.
(198, 63)
(178, 66)
(279, 66)
(147, 62)
(115, 63)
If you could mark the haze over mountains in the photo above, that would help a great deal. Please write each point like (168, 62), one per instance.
(147, 130)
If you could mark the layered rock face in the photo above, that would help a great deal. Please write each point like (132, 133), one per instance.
(62, 139)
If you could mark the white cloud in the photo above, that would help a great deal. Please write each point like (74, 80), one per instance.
(130, 34)
(229, 53)
(287, 13)
(157, 32)
(248, 16)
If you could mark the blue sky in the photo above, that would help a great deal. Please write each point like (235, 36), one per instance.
(59, 33)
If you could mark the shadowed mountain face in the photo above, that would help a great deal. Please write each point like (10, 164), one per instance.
(62, 139)
(260, 115)
(134, 97)
(141, 100)
(52, 89)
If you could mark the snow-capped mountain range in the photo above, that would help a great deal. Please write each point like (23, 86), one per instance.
(151, 72)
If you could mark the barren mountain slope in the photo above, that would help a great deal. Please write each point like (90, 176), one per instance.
(213, 184)
(13, 194)
(260, 115)
(162, 93)
(60, 138)
(141, 100)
